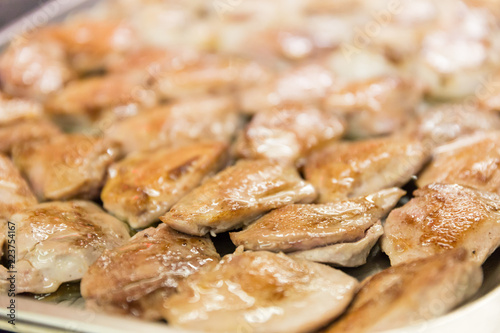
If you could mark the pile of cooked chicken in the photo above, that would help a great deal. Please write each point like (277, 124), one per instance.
(290, 127)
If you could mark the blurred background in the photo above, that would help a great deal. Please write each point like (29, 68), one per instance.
(12, 9)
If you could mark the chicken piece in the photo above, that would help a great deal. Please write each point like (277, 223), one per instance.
(260, 292)
(441, 217)
(304, 227)
(445, 122)
(24, 131)
(178, 124)
(473, 161)
(375, 106)
(288, 132)
(405, 294)
(15, 109)
(67, 165)
(137, 277)
(58, 241)
(351, 254)
(99, 101)
(350, 169)
(15, 193)
(236, 196)
(488, 96)
(144, 186)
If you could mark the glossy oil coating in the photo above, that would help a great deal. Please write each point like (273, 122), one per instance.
(411, 292)
(442, 217)
(66, 166)
(137, 277)
(237, 195)
(144, 186)
(260, 292)
(306, 226)
(349, 169)
(58, 241)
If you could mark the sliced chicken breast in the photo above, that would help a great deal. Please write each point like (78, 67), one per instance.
(412, 292)
(441, 217)
(355, 168)
(236, 196)
(144, 186)
(58, 241)
(260, 292)
(137, 277)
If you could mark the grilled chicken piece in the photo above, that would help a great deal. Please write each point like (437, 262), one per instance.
(445, 122)
(138, 276)
(178, 124)
(408, 293)
(304, 227)
(24, 131)
(58, 241)
(260, 292)
(15, 193)
(15, 109)
(473, 161)
(288, 132)
(350, 169)
(236, 196)
(375, 106)
(441, 217)
(144, 186)
(66, 166)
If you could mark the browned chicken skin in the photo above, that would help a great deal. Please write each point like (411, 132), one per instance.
(237, 195)
(260, 292)
(144, 186)
(472, 160)
(411, 292)
(67, 165)
(288, 132)
(306, 226)
(137, 277)
(441, 217)
(349, 169)
(24, 131)
(58, 241)
(15, 109)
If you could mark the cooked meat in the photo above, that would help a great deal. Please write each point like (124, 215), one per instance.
(24, 131)
(58, 241)
(15, 193)
(260, 292)
(376, 106)
(349, 169)
(138, 276)
(236, 196)
(441, 217)
(307, 226)
(144, 186)
(181, 123)
(445, 122)
(66, 166)
(472, 160)
(351, 254)
(14, 109)
(411, 292)
(288, 132)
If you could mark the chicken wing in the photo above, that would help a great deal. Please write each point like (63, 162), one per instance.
(144, 186)
(472, 160)
(236, 196)
(67, 165)
(307, 226)
(181, 123)
(441, 217)
(288, 132)
(411, 292)
(260, 292)
(58, 241)
(349, 169)
(138, 276)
